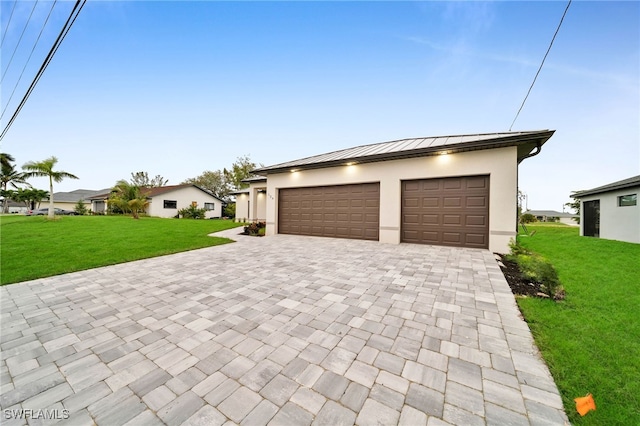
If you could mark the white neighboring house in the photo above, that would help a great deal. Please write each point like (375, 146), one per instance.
(165, 201)
(554, 216)
(611, 211)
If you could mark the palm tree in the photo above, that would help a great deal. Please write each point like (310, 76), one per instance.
(44, 168)
(9, 176)
(128, 198)
(6, 159)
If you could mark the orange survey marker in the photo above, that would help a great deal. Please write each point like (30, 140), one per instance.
(584, 404)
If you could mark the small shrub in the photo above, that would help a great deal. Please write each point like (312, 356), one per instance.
(536, 268)
(80, 208)
(528, 218)
(192, 212)
(255, 228)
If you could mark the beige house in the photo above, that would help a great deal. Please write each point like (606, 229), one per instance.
(165, 201)
(611, 211)
(69, 200)
(246, 210)
(447, 190)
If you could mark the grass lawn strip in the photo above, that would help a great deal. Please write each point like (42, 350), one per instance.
(34, 247)
(591, 341)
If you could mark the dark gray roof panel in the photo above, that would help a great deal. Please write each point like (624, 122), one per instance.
(417, 147)
(76, 195)
(621, 184)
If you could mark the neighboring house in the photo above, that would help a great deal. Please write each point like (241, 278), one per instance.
(446, 190)
(554, 216)
(165, 201)
(611, 211)
(14, 207)
(69, 200)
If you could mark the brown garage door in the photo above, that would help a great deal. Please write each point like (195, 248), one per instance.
(448, 211)
(340, 211)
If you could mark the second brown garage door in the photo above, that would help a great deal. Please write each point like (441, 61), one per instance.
(447, 211)
(340, 211)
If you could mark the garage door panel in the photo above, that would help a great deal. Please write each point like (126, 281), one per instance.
(451, 219)
(477, 240)
(452, 237)
(476, 201)
(452, 183)
(452, 202)
(429, 219)
(431, 202)
(472, 220)
(411, 202)
(344, 211)
(427, 185)
(452, 211)
(411, 219)
(478, 182)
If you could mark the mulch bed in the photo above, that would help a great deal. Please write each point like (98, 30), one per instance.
(519, 285)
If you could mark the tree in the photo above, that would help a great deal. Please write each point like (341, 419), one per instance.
(80, 208)
(239, 171)
(142, 180)
(29, 196)
(6, 159)
(129, 198)
(222, 182)
(213, 182)
(9, 176)
(44, 168)
(575, 206)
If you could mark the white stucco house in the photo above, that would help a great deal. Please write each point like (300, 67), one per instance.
(456, 190)
(555, 216)
(611, 211)
(165, 201)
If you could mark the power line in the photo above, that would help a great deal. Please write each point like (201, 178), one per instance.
(28, 59)
(541, 64)
(19, 40)
(67, 26)
(6, 30)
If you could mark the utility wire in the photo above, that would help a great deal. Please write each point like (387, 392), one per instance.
(6, 30)
(540, 69)
(19, 40)
(28, 59)
(67, 26)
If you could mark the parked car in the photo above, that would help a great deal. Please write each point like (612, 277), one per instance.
(44, 212)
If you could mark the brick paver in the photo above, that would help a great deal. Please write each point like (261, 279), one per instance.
(277, 330)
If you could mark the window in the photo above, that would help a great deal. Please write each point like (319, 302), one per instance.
(627, 200)
(170, 204)
(209, 206)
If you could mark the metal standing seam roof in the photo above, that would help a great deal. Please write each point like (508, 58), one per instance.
(417, 147)
(621, 184)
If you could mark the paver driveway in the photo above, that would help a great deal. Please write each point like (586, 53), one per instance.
(276, 330)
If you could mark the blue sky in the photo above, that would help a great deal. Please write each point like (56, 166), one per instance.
(177, 88)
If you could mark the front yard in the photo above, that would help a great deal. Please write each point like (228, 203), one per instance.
(34, 247)
(591, 340)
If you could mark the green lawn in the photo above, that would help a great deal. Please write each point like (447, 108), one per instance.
(34, 247)
(590, 341)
